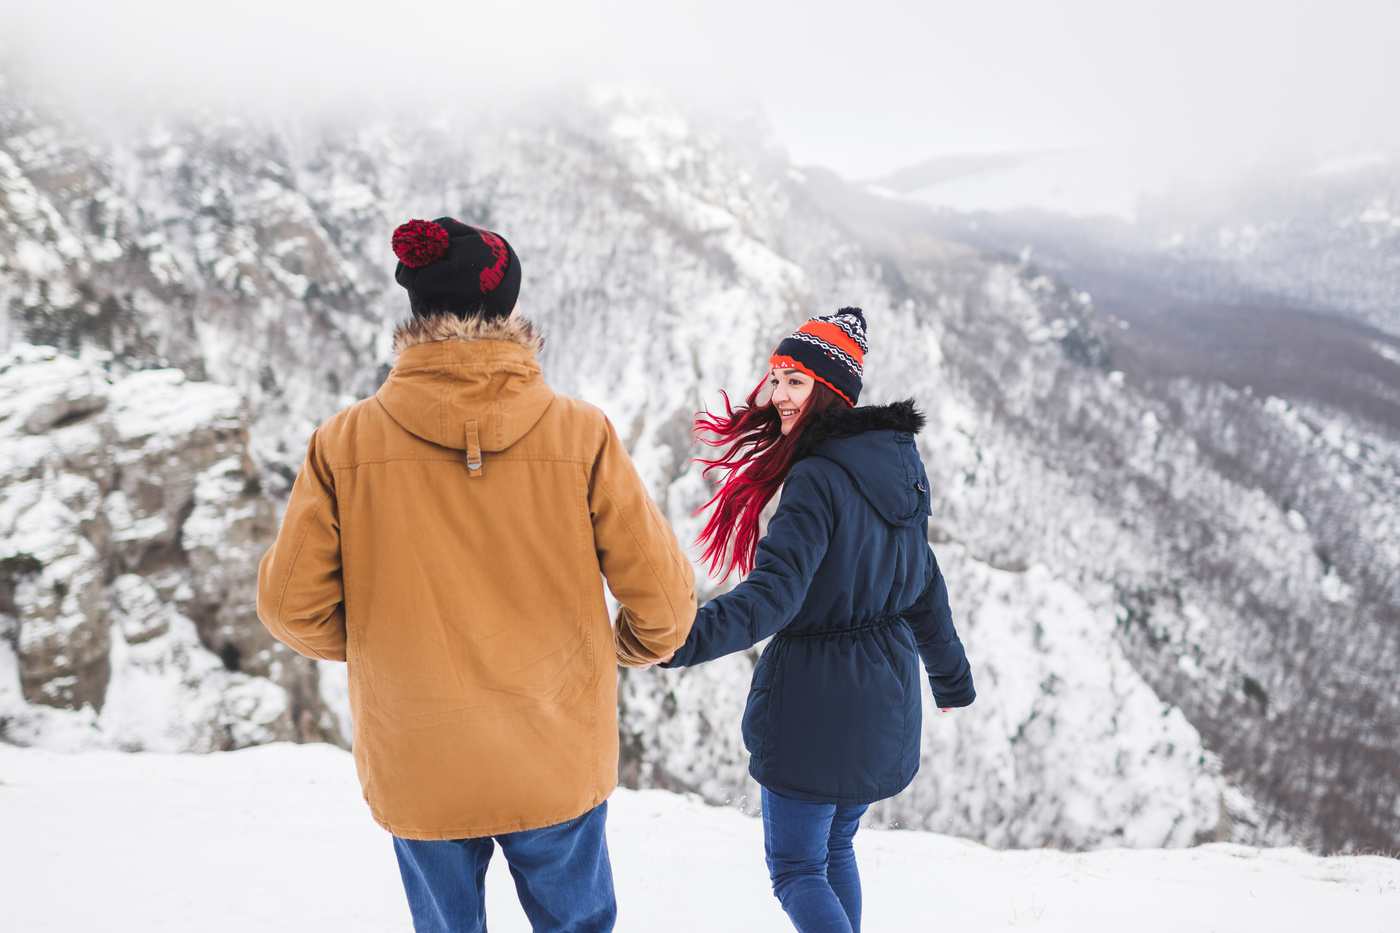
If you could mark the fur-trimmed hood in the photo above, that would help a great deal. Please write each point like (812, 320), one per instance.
(848, 422)
(453, 372)
(420, 330)
(875, 445)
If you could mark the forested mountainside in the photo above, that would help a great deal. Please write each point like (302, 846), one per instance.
(1179, 597)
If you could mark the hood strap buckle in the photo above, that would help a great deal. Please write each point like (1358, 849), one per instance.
(473, 450)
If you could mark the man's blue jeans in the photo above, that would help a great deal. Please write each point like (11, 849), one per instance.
(562, 876)
(812, 862)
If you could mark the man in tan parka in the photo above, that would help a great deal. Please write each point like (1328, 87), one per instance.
(448, 538)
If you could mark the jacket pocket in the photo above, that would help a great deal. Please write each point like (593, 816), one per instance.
(756, 728)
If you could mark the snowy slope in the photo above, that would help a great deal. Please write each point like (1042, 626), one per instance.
(277, 838)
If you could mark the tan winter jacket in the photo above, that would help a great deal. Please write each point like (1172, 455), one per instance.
(449, 538)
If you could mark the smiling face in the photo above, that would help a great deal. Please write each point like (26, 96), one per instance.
(791, 388)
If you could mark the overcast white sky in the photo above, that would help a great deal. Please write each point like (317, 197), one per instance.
(862, 86)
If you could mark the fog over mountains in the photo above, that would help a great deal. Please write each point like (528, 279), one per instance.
(1285, 278)
(1180, 591)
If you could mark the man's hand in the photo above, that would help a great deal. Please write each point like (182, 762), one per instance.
(941, 709)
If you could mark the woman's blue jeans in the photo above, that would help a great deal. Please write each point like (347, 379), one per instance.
(562, 876)
(812, 862)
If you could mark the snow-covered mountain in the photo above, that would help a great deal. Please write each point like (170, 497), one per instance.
(1171, 644)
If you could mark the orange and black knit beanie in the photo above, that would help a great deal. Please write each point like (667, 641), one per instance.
(448, 267)
(831, 349)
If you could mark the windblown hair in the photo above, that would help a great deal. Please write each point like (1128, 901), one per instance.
(755, 463)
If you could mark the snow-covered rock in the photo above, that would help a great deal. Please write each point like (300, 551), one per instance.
(132, 522)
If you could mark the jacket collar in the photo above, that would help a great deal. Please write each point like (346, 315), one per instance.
(421, 330)
(847, 422)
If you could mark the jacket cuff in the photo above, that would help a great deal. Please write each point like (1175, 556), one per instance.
(953, 700)
(681, 658)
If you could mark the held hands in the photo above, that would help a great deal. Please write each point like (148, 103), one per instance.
(941, 709)
(665, 660)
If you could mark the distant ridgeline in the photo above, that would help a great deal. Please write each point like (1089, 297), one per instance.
(1180, 598)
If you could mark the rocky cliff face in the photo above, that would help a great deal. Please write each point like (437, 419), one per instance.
(1128, 570)
(132, 521)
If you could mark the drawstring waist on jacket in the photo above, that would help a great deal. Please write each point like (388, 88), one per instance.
(853, 631)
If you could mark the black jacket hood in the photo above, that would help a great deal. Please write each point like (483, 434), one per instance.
(875, 445)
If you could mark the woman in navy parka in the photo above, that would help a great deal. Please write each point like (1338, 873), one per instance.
(848, 587)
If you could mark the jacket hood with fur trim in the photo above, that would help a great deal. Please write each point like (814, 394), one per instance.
(452, 372)
(875, 445)
(847, 422)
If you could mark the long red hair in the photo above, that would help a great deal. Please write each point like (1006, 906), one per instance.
(754, 465)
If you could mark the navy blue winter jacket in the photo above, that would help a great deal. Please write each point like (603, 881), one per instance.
(846, 582)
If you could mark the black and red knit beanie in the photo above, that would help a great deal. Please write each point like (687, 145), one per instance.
(448, 267)
(831, 349)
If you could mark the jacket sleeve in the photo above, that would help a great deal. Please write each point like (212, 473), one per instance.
(301, 598)
(949, 672)
(640, 558)
(788, 556)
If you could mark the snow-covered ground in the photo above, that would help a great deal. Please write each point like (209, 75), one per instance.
(277, 838)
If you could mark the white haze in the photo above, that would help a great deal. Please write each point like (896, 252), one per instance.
(862, 88)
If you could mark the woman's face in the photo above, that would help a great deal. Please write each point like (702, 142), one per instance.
(791, 388)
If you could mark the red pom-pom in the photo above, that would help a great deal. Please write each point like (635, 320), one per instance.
(419, 242)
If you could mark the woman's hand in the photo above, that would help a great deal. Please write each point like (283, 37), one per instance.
(941, 709)
(665, 660)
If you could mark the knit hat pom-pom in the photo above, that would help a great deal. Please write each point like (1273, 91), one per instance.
(419, 242)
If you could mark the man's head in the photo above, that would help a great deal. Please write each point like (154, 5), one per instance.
(448, 267)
